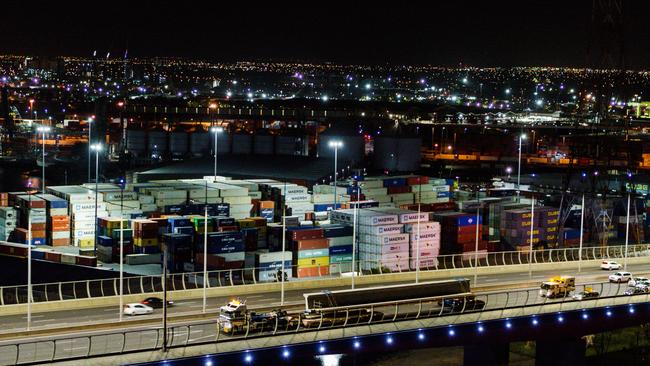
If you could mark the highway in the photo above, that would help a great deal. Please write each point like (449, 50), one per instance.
(50, 320)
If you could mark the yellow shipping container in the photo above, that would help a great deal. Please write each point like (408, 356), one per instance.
(87, 243)
(145, 242)
(317, 261)
(246, 223)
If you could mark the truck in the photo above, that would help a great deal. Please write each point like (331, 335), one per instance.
(558, 286)
(235, 317)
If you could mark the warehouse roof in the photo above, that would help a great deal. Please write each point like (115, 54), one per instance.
(246, 166)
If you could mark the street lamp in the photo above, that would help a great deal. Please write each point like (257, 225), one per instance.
(43, 130)
(29, 259)
(121, 182)
(336, 145)
(216, 131)
(90, 121)
(522, 137)
(96, 148)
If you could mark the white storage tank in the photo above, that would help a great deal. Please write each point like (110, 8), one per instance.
(263, 144)
(223, 142)
(291, 145)
(136, 142)
(242, 143)
(351, 150)
(397, 153)
(157, 143)
(199, 143)
(178, 143)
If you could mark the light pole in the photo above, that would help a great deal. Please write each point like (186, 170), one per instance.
(164, 286)
(336, 145)
(120, 105)
(284, 238)
(417, 241)
(530, 251)
(29, 260)
(121, 246)
(354, 234)
(205, 245)
(521, 138)
(90, 121)
(96, 148)
(43, 130)
(627, 230)
(478, 208)
(216, 131)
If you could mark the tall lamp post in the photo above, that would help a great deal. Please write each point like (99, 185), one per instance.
(627, 222)
(216, 131)
(121, 246)
(90, 124)
(43, 130)
(521, 138)
(29, 259)
(336, 145)
(582, 222)
(96, 148)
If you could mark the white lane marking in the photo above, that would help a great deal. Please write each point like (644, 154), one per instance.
(34, 316)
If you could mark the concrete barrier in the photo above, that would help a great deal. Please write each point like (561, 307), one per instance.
(242, 290)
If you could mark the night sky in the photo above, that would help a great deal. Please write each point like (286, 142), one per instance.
(479, 33)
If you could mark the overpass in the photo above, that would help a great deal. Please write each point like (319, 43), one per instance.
(62, 323)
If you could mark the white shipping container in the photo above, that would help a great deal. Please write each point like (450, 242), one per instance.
(341, 240)
(384, 239)
(58, 211)
(146, 199)
(323, 197)
(270, 257)
(426, 235)
(379, 198)
(202, 193)
(87, 206)
(371, 183)
(173, 194)
(237, 200)
(300, 197)
(424, 226)
(119, 195)
(68, 258)
(401, 196)
(383, 229)
(256, 195)
(125, 205)
(240, 209)
(60, 234)
(374, 191)
(148, 207)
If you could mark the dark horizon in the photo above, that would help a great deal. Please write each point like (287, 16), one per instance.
(505, 34)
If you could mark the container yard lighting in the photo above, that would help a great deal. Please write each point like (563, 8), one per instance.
(96, 148)
(522, 137)
(336, 145)
(43, 130)
(216, 131)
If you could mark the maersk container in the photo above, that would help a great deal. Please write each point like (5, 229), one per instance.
(136, 142)
(242, 143)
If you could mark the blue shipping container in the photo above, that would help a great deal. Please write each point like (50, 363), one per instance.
(184, 230)
(105, 241)
(443, 194)
(224, 221)
(394, 182)
(468, 220)
(323, 207)
(341, 249)
(274, 265)
(335, 231)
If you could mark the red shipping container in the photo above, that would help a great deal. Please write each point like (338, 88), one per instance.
(308, 244)
(307, 234)
(38, 227)
(228, 228)
(59, 219)
(396, 190)
(316, 271)
(417, 180)
(233, 265)
(470, 247)
(83, 260)
(214, 261)
(53, 256)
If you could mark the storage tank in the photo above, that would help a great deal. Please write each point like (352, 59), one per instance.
(397, 153)
(157, 143)
(351, 151)
(242, 143)
(199, 142)
(263, 144)
(223, 141)
(291, 145)
(178, 143)
(136, 142)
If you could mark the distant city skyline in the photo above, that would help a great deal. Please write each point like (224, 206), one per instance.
(506, 33)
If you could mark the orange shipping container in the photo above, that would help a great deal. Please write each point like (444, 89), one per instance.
(308, 244)
(60, 227)
(60, 219)
(267, 204)
(316, 271)
(60, 242)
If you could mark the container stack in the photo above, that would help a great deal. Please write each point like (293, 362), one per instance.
(8, 217)
(339, 240)
(123, 203)
(516, 228)
(4, 199)
(179, 251)
(58, 221)
(32, 209)
(145, 236)
(310, 252)
(237, 197)
(458, 234)
(83, 219)
(427, 242)
(227, 246)
(268, 264)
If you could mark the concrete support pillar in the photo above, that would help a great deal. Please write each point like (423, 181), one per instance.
(561, 352)
(486, 354)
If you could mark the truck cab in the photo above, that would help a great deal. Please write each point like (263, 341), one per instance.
(232, 316)
(559, 286)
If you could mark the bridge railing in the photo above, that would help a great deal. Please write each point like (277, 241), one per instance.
(430, 311)
(143, 285)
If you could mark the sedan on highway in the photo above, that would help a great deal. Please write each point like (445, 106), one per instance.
(619, 277)
(137, 309)
(610, 265)
(156, 302)
(637, 290)
(634, 281)
(585, 295)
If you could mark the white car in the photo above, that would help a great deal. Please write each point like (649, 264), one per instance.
(619, 277)
(137, 309)
(637, 281)
(610, 265)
